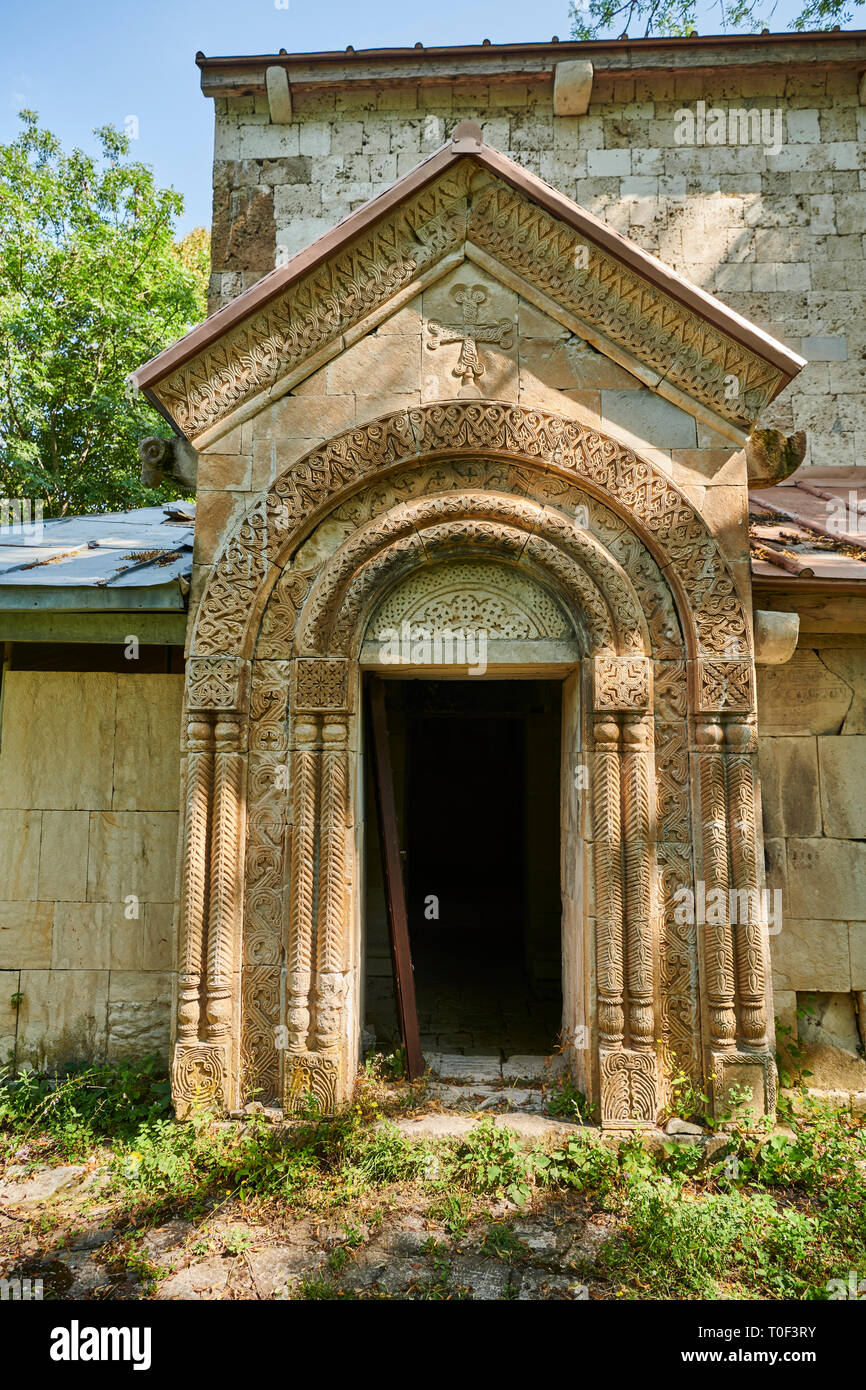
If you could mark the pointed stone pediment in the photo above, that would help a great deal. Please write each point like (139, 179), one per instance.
(468, 202)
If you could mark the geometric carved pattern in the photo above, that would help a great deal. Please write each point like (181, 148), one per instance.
(621, 683)
(628, 1089)
(597, 287)
(465, 595)
(607, 294)
(724, 685)
(198, 1077)
(322, 683)
(297, 891)
(316, 309)
(213, 684)
(234, 591)
(311, 1074)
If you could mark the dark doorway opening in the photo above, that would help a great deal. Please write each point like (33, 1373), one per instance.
(477, 785)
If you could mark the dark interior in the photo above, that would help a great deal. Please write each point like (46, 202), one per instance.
(477, 787)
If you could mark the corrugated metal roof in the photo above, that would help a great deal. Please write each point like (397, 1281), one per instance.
(809, 530)
(140, 558)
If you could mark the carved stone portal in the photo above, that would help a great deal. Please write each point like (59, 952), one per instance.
(463, 514)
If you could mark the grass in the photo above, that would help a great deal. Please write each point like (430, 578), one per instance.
(770, 1216)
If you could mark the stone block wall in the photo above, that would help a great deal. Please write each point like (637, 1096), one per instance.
(813, 770)
(89, 770)
(780, 236)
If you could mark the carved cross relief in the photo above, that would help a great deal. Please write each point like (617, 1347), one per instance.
(468, 334)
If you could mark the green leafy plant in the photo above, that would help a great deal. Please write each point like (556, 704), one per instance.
(92, 285)
(492, 1160)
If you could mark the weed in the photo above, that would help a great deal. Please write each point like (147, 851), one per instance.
(491, 1160)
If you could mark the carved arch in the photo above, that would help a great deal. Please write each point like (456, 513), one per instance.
(712, 616)
(597, 585)
(702, 730)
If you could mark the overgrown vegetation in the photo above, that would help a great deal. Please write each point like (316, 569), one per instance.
(92, 285)
(758, 1214)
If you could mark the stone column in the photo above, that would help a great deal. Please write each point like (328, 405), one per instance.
(305, 788)
(224, 915)
(718, 944)
(194, 876)
(750, 961)
(637, 818)
(330, 939)
(607, 846)
(624, 893)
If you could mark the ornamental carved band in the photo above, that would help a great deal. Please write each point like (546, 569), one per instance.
(310, 1078)
(321, 684)
(725, 685)
(629, 1089)
(621, 683)
(213, 683)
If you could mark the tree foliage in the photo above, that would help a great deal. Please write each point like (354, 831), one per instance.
(92, 284)
(593, 19)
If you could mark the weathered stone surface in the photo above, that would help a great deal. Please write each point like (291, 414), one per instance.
(676, 1126)
(45, 1183)
(790, 793)
(63, 856)
(202, 1279)
(148, 734)
(802, 697)
(25, 935)
(38, 719)
(456, 1067)
(243, 233)
(809, 954)
(484, 1279)
(523, 1067)
(63, 1016)
(132, 853)
(139, 1008)
(20, 833)
(842, 763)
(827, 878)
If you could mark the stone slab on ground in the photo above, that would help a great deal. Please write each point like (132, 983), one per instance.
(277, 1267)
(484, 1279)
(44, 1183)
(453, 1126)
(203, 1279)
(525, 1068)
(457, 1067)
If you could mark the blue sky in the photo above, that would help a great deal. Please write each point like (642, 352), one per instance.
(88, 63)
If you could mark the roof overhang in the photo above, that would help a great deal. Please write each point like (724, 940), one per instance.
(467, 199)
(242, 75)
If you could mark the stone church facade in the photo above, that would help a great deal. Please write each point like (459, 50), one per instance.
(492, 350)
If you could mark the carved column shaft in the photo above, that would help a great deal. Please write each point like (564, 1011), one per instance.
(718, 943)
(305, 760)
(225, 877)
(331, 925)
(607, 838)
(194, 875)
(751, 966)
(637, 826)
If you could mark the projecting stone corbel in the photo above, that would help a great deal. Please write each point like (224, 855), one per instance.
(772, 456)
(168, 458)
(775, 637)
(572, 87)
(279, 96)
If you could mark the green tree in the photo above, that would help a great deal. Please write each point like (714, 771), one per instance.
(592, 19)
(92, 284)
